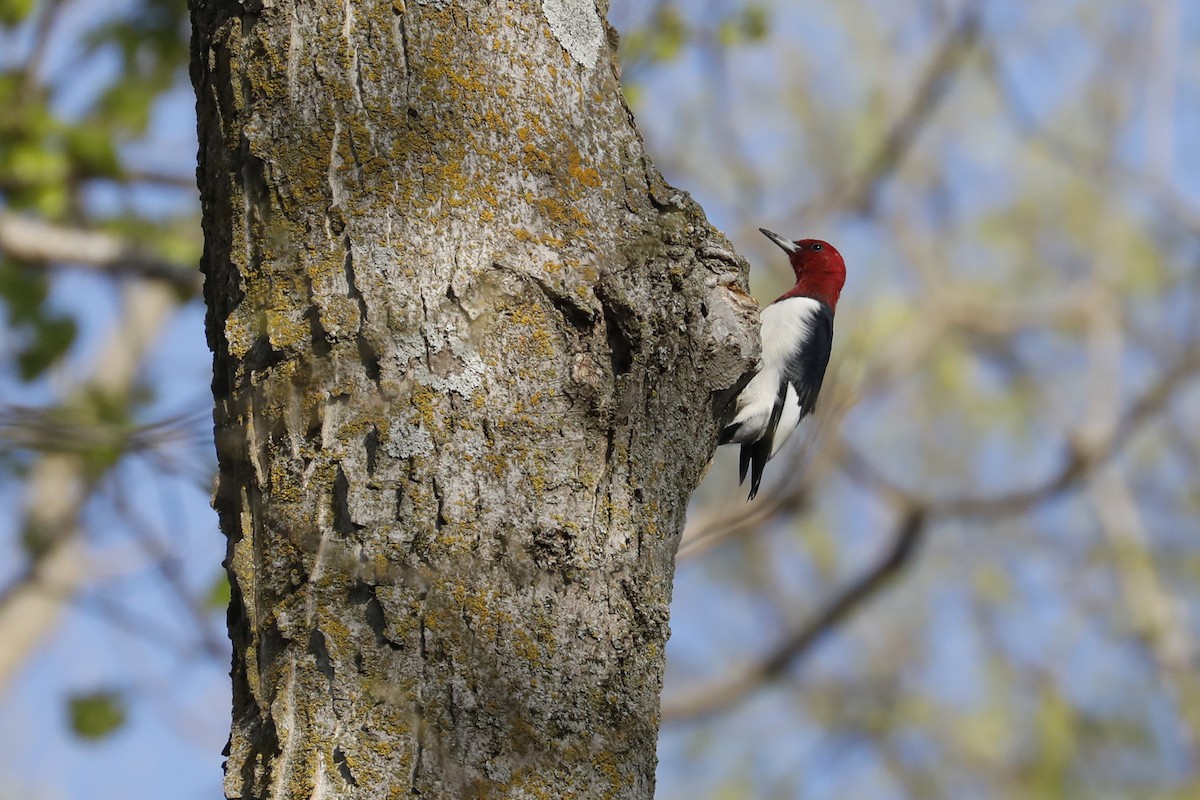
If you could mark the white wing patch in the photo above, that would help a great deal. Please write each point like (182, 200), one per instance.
(785, 326)
(788, 420)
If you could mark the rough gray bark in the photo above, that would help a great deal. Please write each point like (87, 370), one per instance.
(465, 343)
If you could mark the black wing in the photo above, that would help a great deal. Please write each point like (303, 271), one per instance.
(805, 370)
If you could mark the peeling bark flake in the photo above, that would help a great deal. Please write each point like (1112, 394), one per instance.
(576, 27)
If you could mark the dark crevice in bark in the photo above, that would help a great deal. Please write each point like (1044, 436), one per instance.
(451, 707)
(272, 643)
(620, 349)
(643, 622)
(421, 644)
(249, 765)
(322, 346)
(419, 705)
(320, 653)
(256, 195)
(343, 767)
(309, 427)
(366, 351)
(622, 324)
(263, 357)
(440, 521)
(576, 313)
(602, 484)
(402, 24)
(371, 447)
(364, 594)
(370, 360)
(342, 523)
(579, 318)
(424, 335)
(417, 757)
(258, 726)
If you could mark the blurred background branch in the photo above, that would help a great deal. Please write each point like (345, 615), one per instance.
(705, 700)
(58, 485)
(36, 241)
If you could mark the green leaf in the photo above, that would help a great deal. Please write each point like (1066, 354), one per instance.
(92, 151)
(755, 23)
(44, 336)
(52, 337)
(32, 163)
(96, 715)
(671, 33)
(126, 105)
(23, 290)
(728, 33)
(14, 11)
(219, 593)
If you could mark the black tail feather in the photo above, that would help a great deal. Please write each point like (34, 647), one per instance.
(760, 454)
(760, 451)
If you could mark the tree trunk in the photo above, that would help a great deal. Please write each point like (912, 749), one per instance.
(466, 344)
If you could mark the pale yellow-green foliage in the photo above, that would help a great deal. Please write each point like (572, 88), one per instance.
(1015, 353)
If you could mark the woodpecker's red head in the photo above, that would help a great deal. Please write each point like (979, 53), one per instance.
(820, 271)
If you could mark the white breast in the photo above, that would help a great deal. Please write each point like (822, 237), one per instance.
(785, 325)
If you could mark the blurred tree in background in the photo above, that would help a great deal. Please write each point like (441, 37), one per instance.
(105, 451)
(977, 575)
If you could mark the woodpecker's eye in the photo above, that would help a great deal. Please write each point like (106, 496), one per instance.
(816, 247)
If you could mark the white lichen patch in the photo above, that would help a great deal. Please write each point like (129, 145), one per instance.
(408, 440)
(464, 382)
(577, 28)
(454, 366)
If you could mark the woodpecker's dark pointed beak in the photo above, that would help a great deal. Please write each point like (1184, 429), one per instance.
(787, 246)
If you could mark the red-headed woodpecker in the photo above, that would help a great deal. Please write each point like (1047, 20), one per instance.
(797, 333)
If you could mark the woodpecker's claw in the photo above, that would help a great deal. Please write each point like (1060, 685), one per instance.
(788, 247)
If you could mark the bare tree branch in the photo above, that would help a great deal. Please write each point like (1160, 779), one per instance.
(185, 182)
(1080, 459)
(860, 193)
(1159, 618)
(59, 485)
(713, 698)
(1024, 122)
(36, 240)
(42, 30)
(1080, 462)
(166, 562)
(75, 430)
